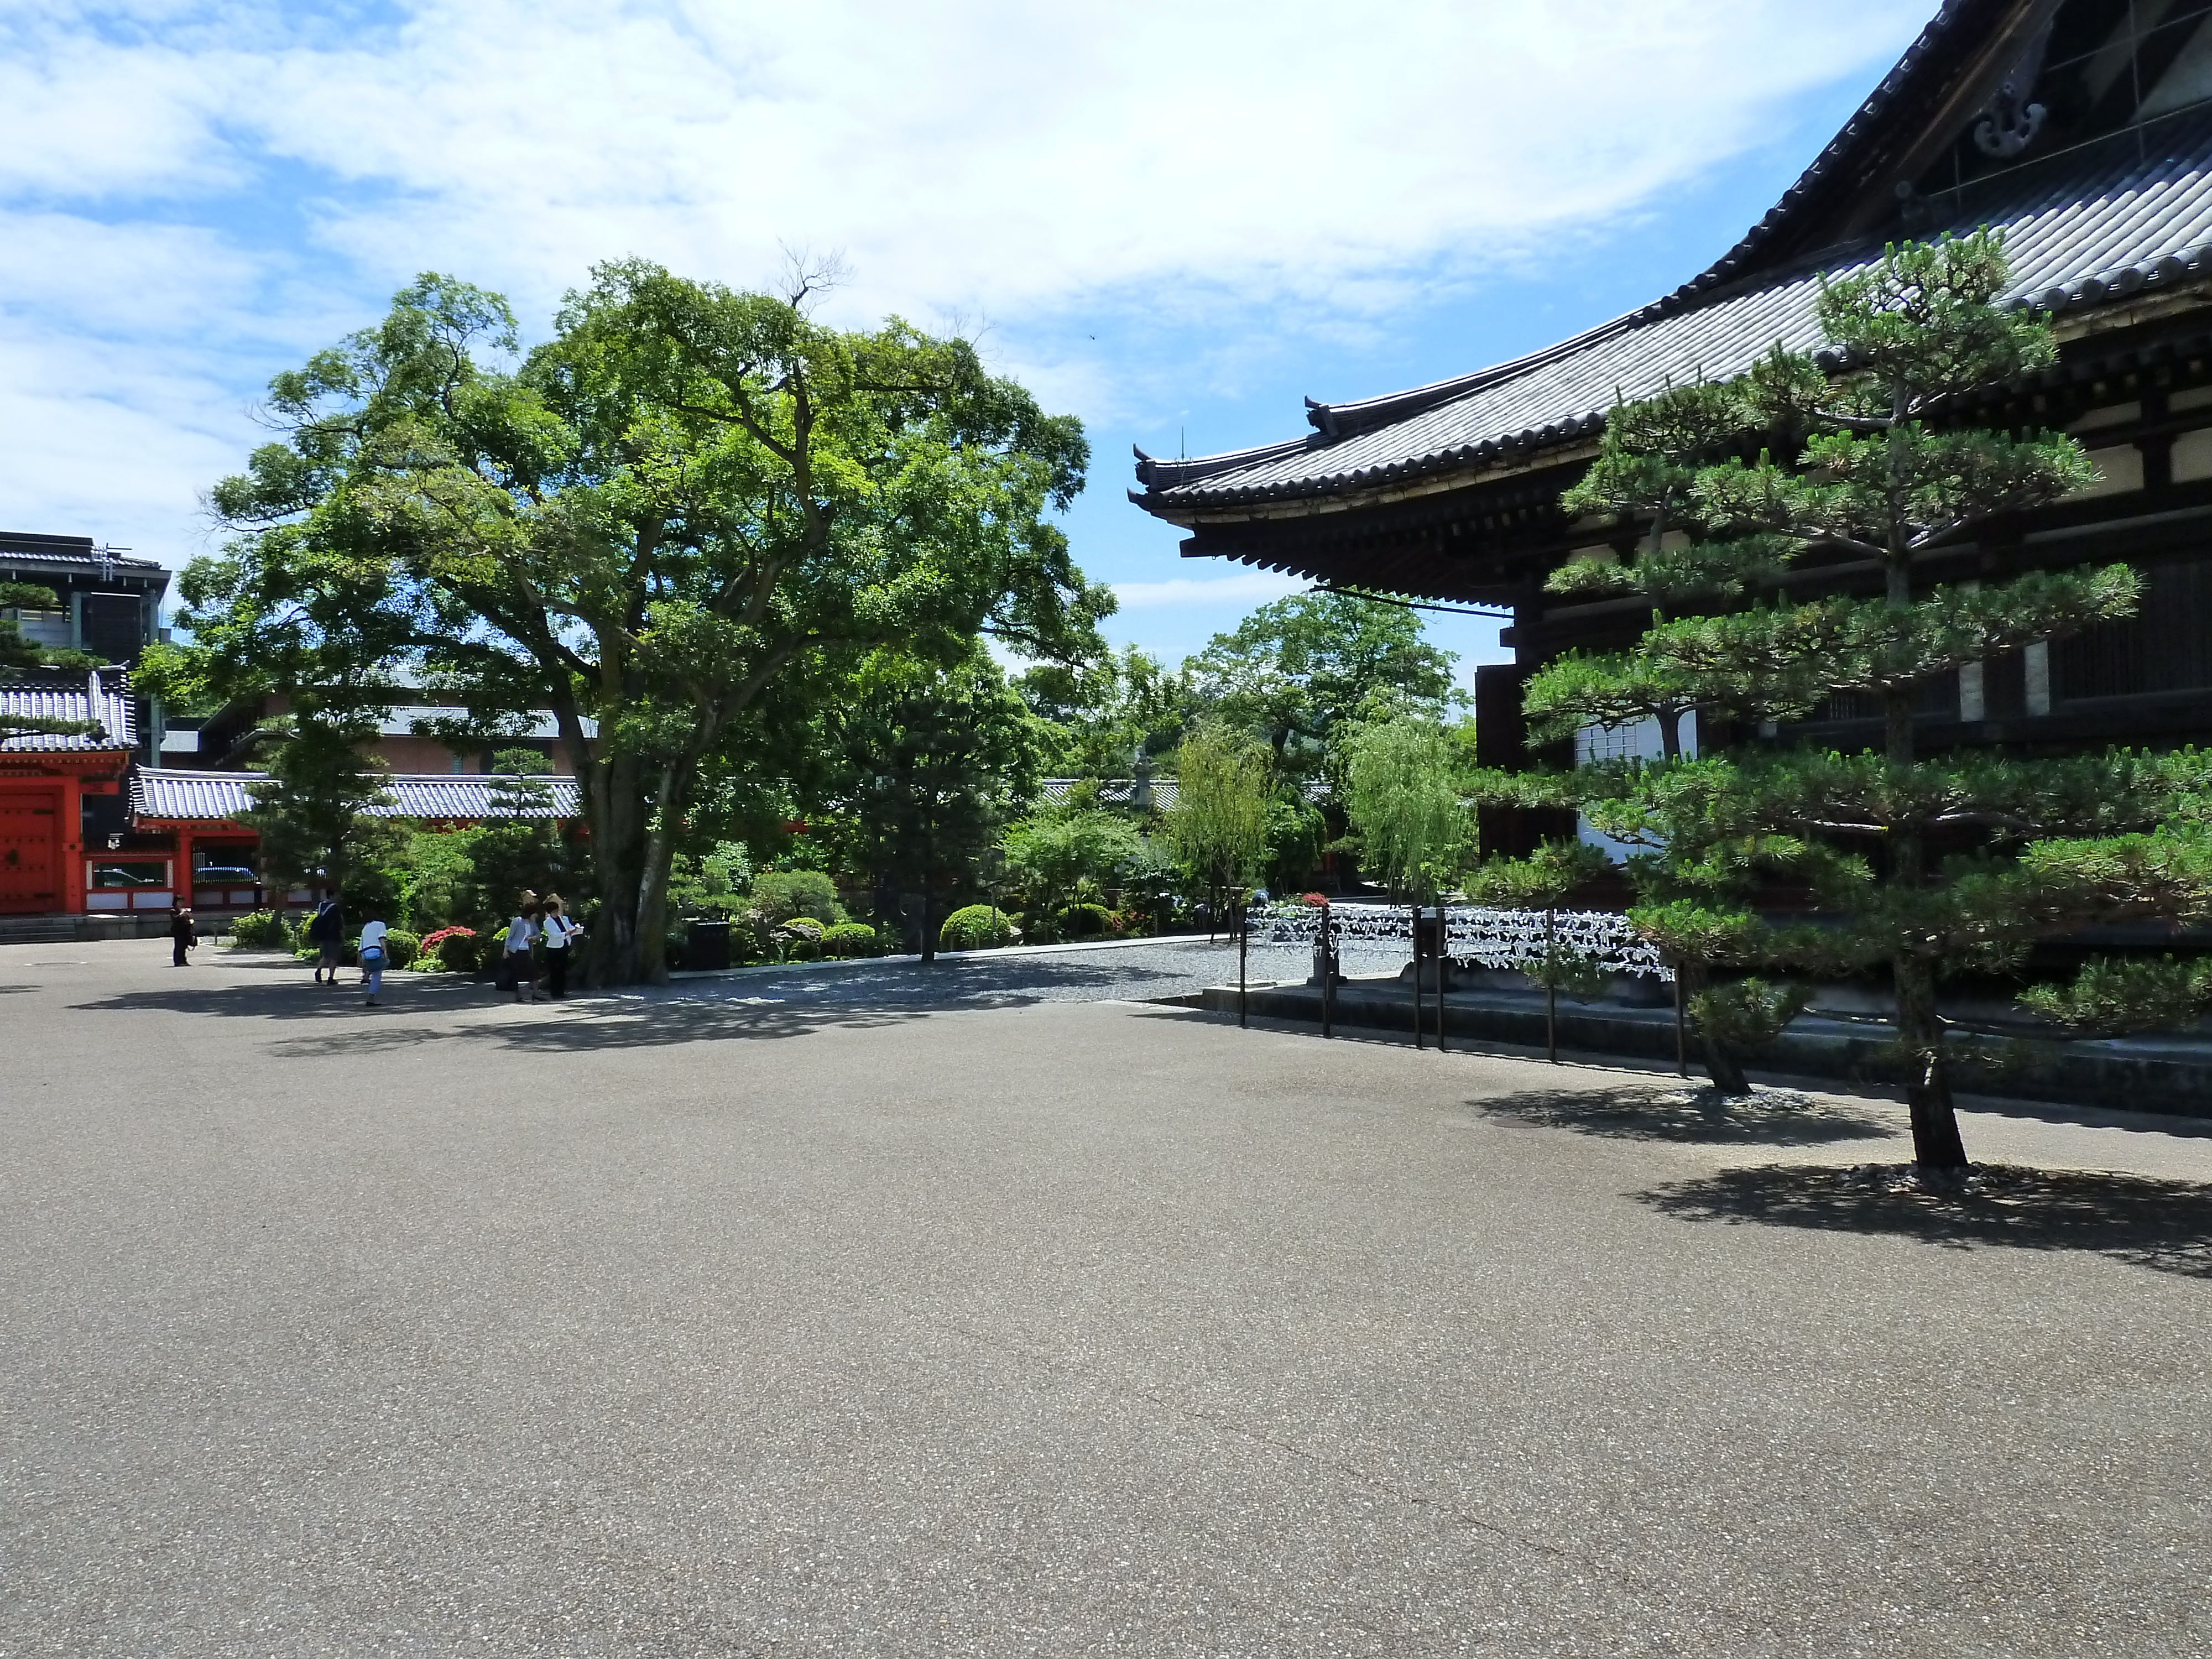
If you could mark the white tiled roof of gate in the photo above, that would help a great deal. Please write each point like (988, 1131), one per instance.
(2088, 231)
(165, 793)
(57, 697)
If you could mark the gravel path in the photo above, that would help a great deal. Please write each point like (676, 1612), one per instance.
(971, 1314)
(1135, 972)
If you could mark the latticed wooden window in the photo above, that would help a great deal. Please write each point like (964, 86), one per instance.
(2167, 646)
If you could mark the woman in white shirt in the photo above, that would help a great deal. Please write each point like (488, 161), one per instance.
(371, 955)
(515, 967)
(559, 931)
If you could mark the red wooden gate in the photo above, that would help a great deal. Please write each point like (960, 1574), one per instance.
(30, 848)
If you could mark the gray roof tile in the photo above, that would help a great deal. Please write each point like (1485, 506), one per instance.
(167, 794)
(2079, 230)
(44, 695)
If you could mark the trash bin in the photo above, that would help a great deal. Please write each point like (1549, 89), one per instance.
(707, 945)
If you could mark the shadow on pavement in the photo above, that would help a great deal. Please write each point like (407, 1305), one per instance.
(693, 1012)
(1771, 1117)
(610, 1025)
(2165, 1224)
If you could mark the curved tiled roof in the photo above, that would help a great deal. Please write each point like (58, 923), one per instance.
(212, 797)
(2081, 230)
(103, 698)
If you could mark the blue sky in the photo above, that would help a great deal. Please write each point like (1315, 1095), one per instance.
(1174, 219)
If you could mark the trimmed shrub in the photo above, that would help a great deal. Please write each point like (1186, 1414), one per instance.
(261, 930)
(799, 939)
(401, 948)
(782, 896)
(978, 927)
(850, 939)
(431, 952)
(1085, 921)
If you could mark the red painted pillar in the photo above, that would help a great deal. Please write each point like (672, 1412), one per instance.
(72, 838)
(180, 877)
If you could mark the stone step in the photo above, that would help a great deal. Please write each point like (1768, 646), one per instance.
(37, 929)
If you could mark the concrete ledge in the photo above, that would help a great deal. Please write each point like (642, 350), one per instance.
(2126, 1074)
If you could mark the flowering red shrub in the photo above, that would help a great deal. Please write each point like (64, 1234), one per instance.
(1316, 898)
(452, 950)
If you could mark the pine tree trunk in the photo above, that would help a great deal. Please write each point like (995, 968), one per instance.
(1935, 1141)
(1723, 1064)
(1936, 1144)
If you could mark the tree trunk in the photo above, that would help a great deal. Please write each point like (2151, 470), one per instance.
(1935, 1141)
(928, 881)
(671, 800)
(1723, 1064)
(618, 856)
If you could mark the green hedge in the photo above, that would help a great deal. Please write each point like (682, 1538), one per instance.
(851, 938)
(261, 930)
(400, 948)
(1085, 921)
(978, 927)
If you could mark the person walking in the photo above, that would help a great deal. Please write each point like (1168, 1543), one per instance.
(371, 953)
(326, 932)
(559, 934)
(516, 970)
(182, 935)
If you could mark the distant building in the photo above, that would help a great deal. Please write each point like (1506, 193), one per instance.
(58, 794)
(187, 839)
(110, 605)
(219, 742)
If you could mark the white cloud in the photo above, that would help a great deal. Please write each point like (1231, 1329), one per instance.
(218, 185)
(1245, 588)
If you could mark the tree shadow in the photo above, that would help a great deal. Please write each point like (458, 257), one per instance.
(763, 1006)
(2165, 1224)
(619, 1026)
(1768, 1117)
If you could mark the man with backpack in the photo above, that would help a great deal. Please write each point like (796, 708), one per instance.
(326, 932)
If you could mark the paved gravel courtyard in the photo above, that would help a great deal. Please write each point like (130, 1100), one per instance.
(880, 1312)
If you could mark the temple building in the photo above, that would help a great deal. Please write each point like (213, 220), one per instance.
(2083, 129)
(100, 827)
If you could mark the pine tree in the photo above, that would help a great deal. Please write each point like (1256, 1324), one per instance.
(1923, 866)
(18, 653)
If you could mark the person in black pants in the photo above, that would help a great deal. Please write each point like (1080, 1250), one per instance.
(182, 937)
(557, 934)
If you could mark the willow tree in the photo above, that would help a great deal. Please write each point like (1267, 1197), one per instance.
(1218, 825)
(685, 503)
(1404, 795)
(1924, 866)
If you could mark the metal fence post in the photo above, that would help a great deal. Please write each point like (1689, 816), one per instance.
(1552, 985)
(1327, 970)
(1417, 979)
(1243, 940)
(1681, 1029)
(1444, 969)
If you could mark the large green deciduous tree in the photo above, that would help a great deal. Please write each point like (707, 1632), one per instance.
(1297, 672)
(1108, 716)
(1923, 865)
(935, 761)
(687, 504)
